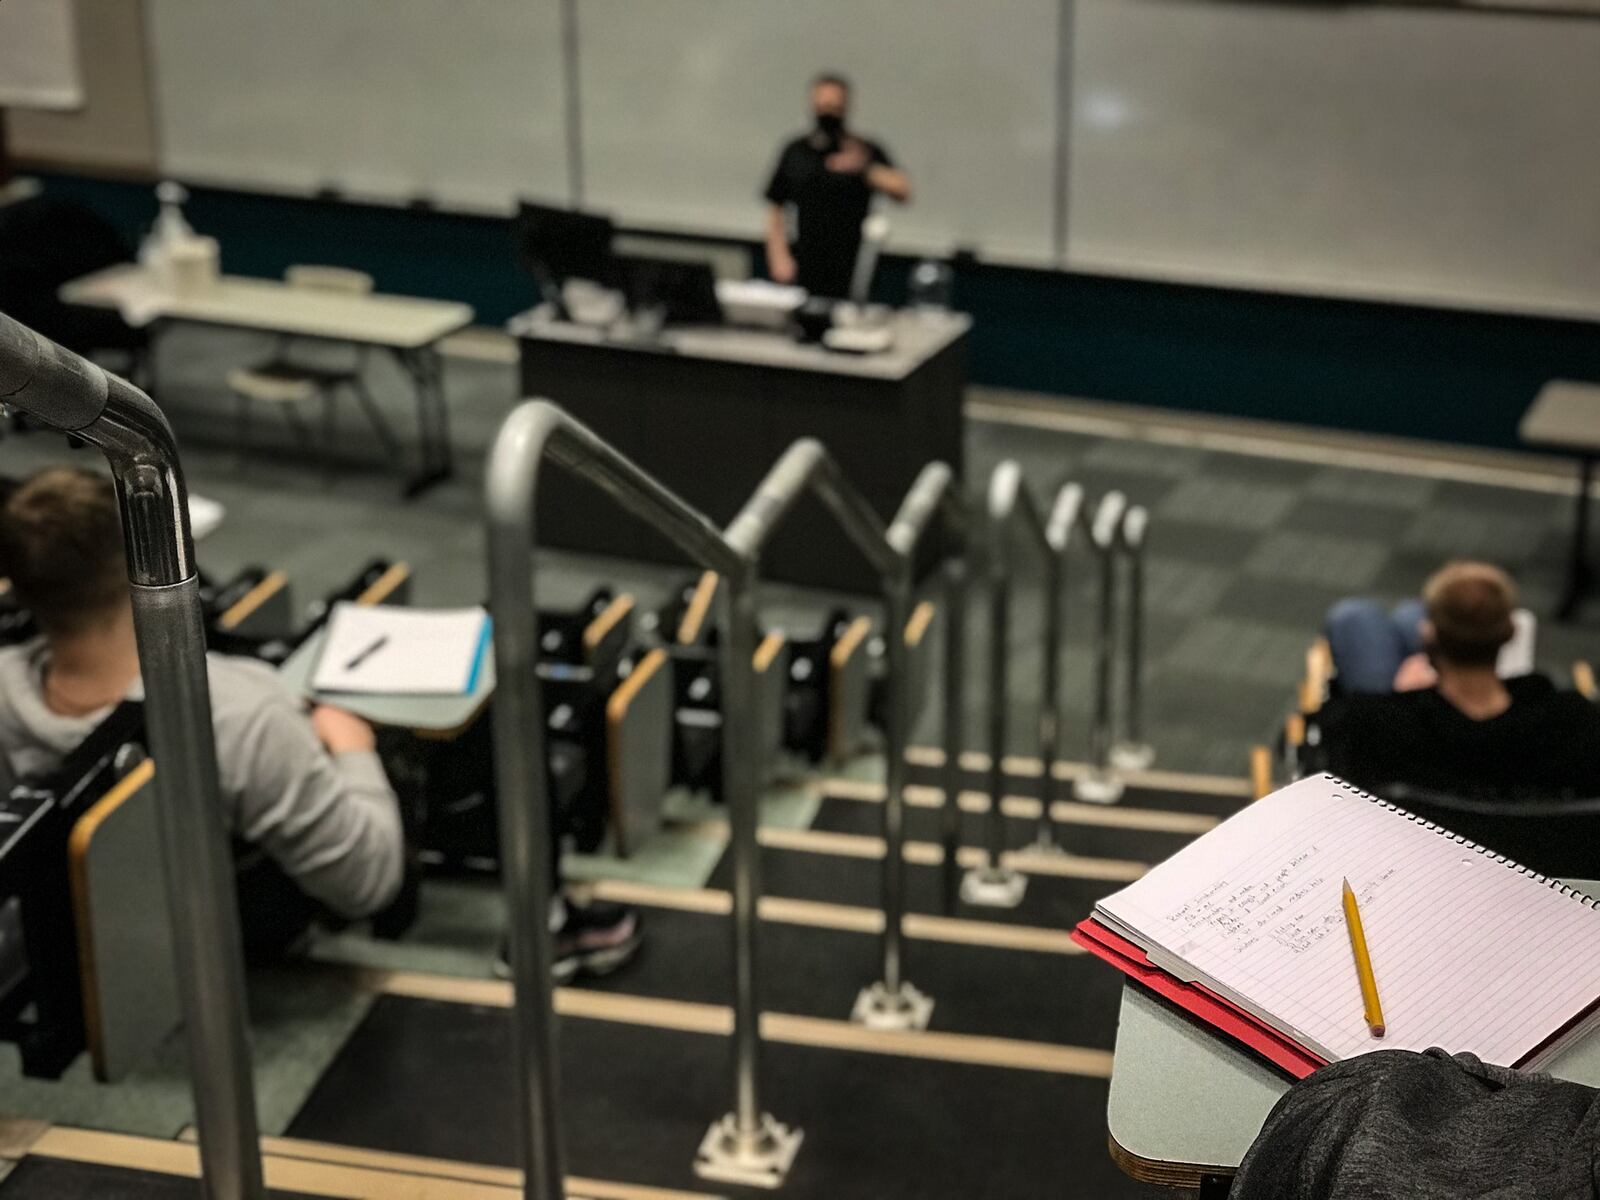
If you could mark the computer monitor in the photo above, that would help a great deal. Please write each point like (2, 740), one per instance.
(558, 244)
(685, 292)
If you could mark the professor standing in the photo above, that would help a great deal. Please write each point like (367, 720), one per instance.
(826, 180)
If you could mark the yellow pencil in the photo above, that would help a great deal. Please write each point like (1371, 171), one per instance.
(1358, 943)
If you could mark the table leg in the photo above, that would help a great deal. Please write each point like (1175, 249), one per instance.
(1579, 574)
(433, 422)
(1215, 1187)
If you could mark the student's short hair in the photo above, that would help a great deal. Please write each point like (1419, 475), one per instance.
(825, 78)
(1470, 605)
(61, 547)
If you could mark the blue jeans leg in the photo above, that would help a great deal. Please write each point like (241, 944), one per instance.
(1369, 643)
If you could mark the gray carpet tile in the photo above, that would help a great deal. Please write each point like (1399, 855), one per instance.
(1180, 697)
(1184, 589)
(1297, 556)
(1227, 649)
(1229, 503)
(1289, 471)
(1179, 537)
(1371, 487)
(1403, 575)
(1501, 536)
(1462, 496)
(1385, 523)
(1280, 601)
(1145, 458)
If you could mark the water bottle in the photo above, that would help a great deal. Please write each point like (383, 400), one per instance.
(932, 285)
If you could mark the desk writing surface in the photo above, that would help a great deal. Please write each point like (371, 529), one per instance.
(1183, 1095)
(401, 322)
(918, 337)
(434, 713)
(1565, 415)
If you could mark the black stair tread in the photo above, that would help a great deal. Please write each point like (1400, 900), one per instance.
(840, 815)
(434, 1078)
(1038, 996)
(38, 1177)
(1051, 902)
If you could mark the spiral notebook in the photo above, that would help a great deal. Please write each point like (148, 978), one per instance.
(1471, 951)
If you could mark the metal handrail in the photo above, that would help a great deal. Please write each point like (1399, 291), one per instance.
(1132, 750)
(934, 497)
(71, 394)
(1010, 508)
(1066, 515)
(1098, 784)
(535, 430)
(807, 466)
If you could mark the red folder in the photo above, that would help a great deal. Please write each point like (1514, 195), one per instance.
(1226, 1017)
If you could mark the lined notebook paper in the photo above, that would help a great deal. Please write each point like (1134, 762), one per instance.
(383, 649)
(1471, 952)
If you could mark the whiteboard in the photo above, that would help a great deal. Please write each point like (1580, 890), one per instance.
(39, 55)
(1418, 154)
(455, 100)
(685, 104)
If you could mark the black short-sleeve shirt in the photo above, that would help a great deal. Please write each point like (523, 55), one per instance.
(829, 208)
(1544, 746)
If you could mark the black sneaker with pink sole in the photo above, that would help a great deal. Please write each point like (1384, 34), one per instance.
(594, 940)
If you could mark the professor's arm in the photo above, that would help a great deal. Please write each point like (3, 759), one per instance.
(780, 261)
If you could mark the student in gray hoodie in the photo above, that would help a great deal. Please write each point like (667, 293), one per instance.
(304, 789)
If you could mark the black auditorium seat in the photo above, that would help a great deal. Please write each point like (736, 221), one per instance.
(1558, 838)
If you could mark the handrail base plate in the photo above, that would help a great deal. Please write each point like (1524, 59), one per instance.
(879, 1008)
(759, 1159)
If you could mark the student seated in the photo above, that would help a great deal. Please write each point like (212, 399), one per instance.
(317, 828)
(305, 790)
(1452, 725)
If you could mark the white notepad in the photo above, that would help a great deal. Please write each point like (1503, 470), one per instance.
(1471, 952)
(387, 650)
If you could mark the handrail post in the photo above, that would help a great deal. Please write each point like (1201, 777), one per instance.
(995, 884)
(1064, 518)
(955, 718)
(934, 495)
(1131, 752)
(1099, 784)
(891, 1002)
(69, 393)
(746, 1145)
(533, 431)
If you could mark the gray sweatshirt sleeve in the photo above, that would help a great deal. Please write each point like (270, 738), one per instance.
(330, 821)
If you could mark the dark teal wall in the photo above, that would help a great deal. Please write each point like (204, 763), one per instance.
(1383, 368)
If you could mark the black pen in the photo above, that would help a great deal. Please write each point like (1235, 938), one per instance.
(379, 644)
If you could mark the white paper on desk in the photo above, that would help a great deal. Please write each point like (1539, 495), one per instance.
(205, 515)
(1516, 656)
(425, 651)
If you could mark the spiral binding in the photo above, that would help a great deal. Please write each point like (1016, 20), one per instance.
(1554, 884)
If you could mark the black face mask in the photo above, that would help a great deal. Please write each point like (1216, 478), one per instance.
(830, 126)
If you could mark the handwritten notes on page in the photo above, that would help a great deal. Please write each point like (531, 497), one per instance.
(1470, 952)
